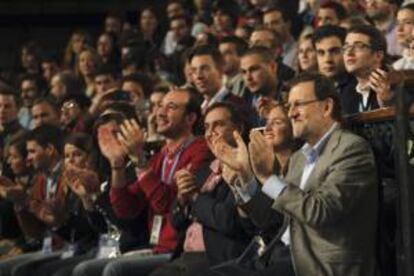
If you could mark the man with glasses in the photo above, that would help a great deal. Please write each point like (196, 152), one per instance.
(364, 56)
(327, 195)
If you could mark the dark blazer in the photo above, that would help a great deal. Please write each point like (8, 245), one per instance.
(351, 99)
(223, 234)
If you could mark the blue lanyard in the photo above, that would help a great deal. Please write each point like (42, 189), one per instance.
(177, 156)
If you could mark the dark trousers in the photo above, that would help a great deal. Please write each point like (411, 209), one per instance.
(134, 265)
(280, 265)
(187, 264)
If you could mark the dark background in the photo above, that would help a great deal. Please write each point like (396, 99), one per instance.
(51, 23)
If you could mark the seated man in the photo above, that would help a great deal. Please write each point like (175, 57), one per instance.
(155, 189)
(205, 211)
(327, 195)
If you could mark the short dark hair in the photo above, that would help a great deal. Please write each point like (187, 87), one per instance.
(241, 45)
(339, 9)
(143, 80)
(45, 135)
(194, 106)
(264, 53)
(33, 78)
(19, 142)
(281, 10)
(49, 101)
(104, 70)
(7, 90)
(276, 42)
(328, 31)
(81, 140)
(71, 82)
(409, 6)
(105, 118)
(229, 8)
(206, 50)
(236, 117)
(376, 38)
(185, 18)
(324, 89)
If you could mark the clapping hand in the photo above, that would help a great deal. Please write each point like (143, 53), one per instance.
(109, 145)
(132, 139)
(186, 185)
(235, 157)
(261, 156)
(379, 82)
(82, 182)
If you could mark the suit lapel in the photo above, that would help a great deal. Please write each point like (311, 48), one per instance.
(320, 167)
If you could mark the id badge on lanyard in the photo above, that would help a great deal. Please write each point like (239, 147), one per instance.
(167, 179)
(108, 247)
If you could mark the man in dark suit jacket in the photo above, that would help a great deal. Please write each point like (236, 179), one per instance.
(327, 195)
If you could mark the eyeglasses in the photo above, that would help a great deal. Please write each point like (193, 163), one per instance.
(357, 46)
(296, 104)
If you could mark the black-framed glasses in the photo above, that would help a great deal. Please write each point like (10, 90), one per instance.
(357, 46)
(296, 104)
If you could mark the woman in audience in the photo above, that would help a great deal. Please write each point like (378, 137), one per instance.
(87, 64)
(77, 42)
(16, 190)
(307, 54)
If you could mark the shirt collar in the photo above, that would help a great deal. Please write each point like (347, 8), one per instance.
(363, 90)
(219, 97)
(215, 167)
(171, 153)
(311, 153)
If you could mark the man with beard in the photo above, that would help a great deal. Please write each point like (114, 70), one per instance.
(155, 186)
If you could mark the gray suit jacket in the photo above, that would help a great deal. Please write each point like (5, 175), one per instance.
(333, 220)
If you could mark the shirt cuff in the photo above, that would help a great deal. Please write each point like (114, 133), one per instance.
(247, 192)
(273, 186)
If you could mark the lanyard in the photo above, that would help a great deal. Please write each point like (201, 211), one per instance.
(177, 156)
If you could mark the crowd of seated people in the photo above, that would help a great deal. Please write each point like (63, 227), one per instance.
(213, 144)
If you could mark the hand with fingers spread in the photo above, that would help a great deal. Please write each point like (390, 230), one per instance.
(379, 82)
(237, 158)
(132, 139)
(186, 185)
(98, 100)
(82, 182)
(109, 145)
(261, 156)
(12, 191)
